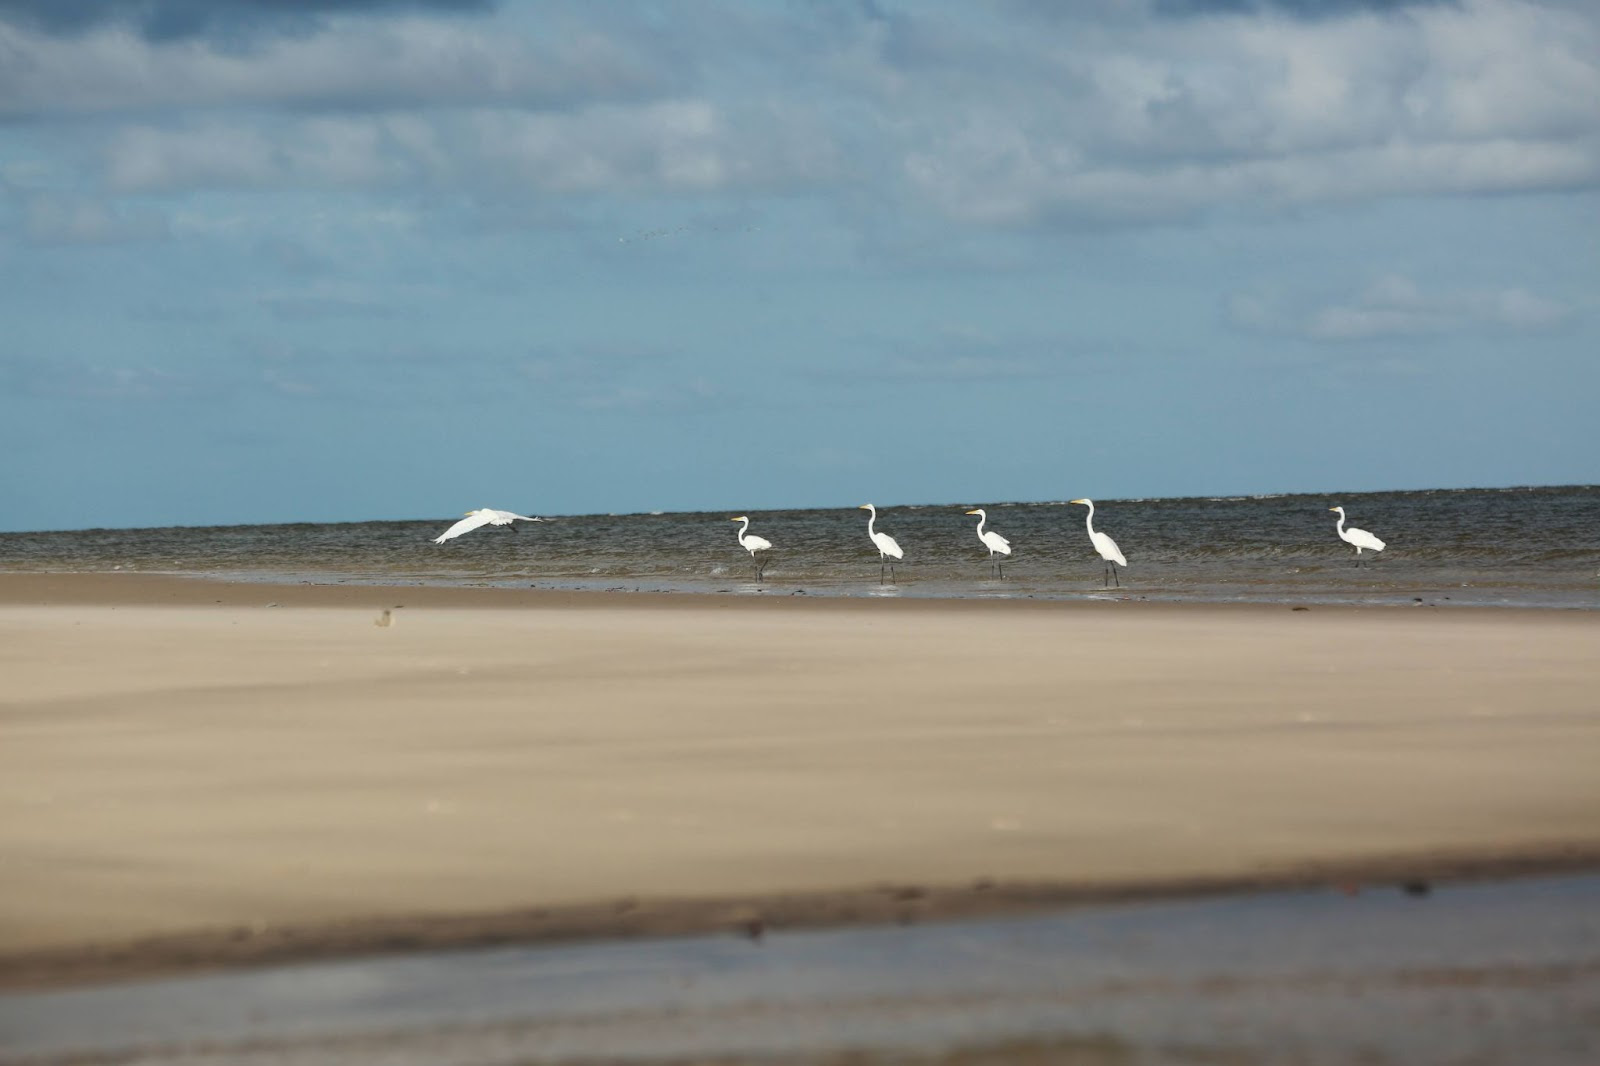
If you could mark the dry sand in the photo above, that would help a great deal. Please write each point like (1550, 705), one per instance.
(194, 773)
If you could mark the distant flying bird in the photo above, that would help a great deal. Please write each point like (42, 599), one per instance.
(1105, 546)
(1359, 537)
(993, 541)
(882, 541)
(752, 544)
(483, 516)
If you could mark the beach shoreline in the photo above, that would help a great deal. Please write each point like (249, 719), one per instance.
(206, 775)
(245, 947)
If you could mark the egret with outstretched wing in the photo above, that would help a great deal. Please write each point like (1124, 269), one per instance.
(483, 516)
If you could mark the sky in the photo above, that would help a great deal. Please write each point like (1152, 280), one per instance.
(341, 260)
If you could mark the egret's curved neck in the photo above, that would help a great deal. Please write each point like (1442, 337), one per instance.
(1340, 526)
(743, 527)
(872, 516)
(1089, 521)
(982, 518)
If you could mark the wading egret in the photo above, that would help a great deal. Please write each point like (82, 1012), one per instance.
(993, 541)
(885, 544)
(1105, 546)
(1358, 537)
(483, 516)
(752, 544)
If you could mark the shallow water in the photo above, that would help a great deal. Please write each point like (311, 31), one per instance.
(1527, 547)
(1487, 973)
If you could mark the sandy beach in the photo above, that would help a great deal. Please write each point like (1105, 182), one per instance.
(199, 774)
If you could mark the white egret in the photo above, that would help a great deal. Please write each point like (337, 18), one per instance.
(483, 516)
(993, 541)
(752, 544)
(882, 541)
(1358, 537)
(1105, 546)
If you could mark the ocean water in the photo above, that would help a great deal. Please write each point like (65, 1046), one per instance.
(1514, 547)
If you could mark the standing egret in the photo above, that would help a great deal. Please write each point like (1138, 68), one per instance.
(752, 544)
(1358, 537)
(1105, 546)
(993, 541)
(883, 542)
(483, 516)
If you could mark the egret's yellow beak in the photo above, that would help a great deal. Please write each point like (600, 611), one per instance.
(865, 507)
(1333, 508)
(972, 512)
(741, 518)
(1077, 501)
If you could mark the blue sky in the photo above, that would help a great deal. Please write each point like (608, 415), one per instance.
(355, 259)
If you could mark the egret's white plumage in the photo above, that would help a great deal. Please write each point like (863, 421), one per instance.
(1360, 538)
(1104, 545)
(752, 544)
(483, 516)
(882, 541)
(991, 540)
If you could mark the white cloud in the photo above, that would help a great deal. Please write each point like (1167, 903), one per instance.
(1519, 308)
(958, 353)
(357, 64)
(983, 116)
(356, 152)
(56, 218)
(336, 300)
(674, 145)
(683, 146)
(1165, 119)
(1395, 306)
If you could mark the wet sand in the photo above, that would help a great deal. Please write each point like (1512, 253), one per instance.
(1506, 972)
(198, 774)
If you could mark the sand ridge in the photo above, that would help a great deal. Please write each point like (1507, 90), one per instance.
(175, 767)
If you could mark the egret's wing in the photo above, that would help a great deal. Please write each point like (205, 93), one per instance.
(887, 545)
(1108, 549)
(466, 525)
(505, 518)
(1001, 544)
(1365, 539)
(757, 544)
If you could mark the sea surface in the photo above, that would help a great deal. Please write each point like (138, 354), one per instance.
(1510, 547)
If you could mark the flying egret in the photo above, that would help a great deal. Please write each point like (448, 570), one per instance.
(752, 544)
(483, 516)
(1105, 546)
(882, 541)
(1359, 537)
(993, 541)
